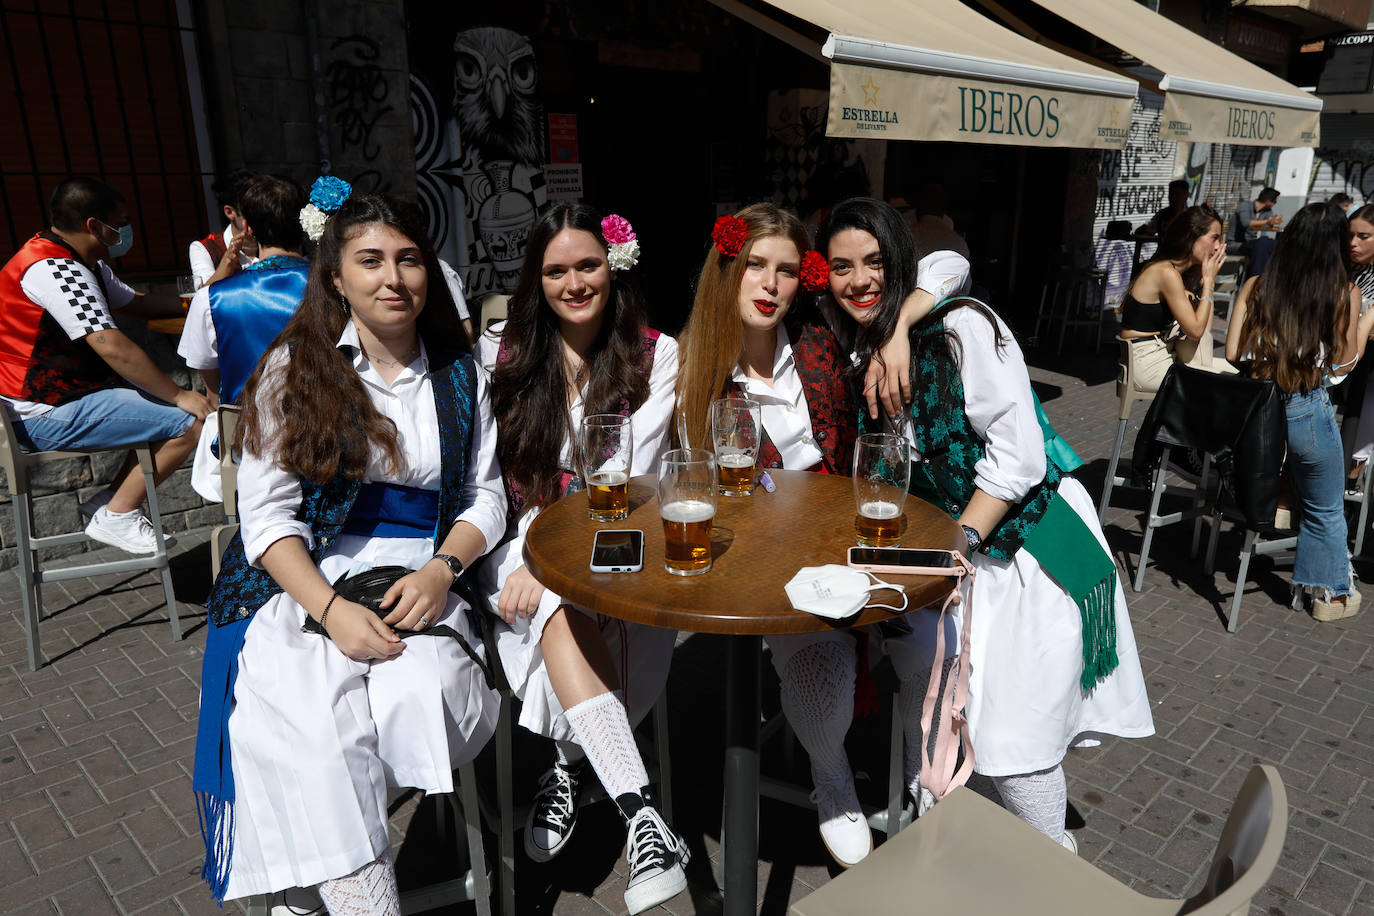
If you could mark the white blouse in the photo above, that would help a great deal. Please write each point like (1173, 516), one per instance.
(786, 417)
(270, 497)
(649, 428)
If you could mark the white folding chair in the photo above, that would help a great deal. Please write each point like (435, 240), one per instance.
(227, 417)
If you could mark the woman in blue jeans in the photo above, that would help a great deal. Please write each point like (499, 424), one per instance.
(1299, 324)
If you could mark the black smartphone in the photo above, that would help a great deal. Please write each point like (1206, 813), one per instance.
(618, 551)
(904, 560)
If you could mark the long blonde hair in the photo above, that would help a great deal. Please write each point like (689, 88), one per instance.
(713, 340)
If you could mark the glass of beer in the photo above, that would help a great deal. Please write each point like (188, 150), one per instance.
(735, 426)
(882, 470)
(687, 503)
(186, 289)
(605, 448)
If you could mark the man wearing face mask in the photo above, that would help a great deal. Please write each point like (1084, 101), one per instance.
(69, 378)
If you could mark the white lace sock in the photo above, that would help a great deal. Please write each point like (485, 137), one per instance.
(1039, 799)
(603, 730)
(818, 700)
(910, 698)
(369, 891)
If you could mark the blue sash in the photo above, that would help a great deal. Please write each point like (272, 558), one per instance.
(249, 310)
(391, 510)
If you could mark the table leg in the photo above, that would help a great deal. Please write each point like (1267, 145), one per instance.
(740, 824)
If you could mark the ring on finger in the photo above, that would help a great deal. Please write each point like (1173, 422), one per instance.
(424, 621)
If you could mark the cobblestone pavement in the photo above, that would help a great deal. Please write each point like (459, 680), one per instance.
(96, 747)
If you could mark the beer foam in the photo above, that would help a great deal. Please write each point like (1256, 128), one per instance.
(879, 509)
(684, 511)
(607, 478)
(735, 460)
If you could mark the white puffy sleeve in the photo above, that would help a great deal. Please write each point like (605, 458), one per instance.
(484, 495)
(269, 496)
(997, 400)
(653, 420)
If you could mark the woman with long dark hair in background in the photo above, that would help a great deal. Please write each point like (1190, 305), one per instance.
(1299, 324)
(1357, 425)
(576, 344)
(1052, 654)
(1174, 287)
(367, 442)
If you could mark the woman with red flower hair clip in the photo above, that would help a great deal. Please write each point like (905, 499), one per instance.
(755, 333)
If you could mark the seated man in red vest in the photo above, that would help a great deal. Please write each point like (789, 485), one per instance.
(69, 378)
(222, 254)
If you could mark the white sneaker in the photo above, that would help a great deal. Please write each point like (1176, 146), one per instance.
(132, 533)
(97, 502)
(844, 830)
(656, 855)
(1069, 842)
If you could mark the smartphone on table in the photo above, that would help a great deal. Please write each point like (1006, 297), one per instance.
(906, 561)
(618, 551)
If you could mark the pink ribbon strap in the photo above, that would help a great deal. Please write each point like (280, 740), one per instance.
(938, 767)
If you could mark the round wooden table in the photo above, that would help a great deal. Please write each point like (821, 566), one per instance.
(757, 544)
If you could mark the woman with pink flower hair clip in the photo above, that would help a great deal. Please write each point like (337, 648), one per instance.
(576, 344)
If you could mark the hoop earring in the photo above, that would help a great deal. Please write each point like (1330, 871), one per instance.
(344, 306)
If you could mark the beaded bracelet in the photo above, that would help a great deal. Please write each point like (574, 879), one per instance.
(325, 613)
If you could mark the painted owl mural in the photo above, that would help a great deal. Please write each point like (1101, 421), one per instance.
(480, 148)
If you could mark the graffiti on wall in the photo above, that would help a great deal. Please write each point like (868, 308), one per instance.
(1350, 171)
(480, 148)
(356, 97)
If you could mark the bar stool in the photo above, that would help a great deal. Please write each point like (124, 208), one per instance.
(1076, 298)
(17, 464)
(1127, 395)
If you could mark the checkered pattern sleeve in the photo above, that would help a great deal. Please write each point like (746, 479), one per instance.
(69, 292)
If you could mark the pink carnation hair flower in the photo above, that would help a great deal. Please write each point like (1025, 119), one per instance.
(616, 230)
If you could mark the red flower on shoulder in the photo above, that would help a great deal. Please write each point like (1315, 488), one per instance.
(815, 271)
(730, 233)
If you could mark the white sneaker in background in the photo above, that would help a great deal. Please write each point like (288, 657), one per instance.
(130, 532)
(844, 829)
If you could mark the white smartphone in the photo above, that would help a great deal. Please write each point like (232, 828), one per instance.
(906, 561)
(618, 551)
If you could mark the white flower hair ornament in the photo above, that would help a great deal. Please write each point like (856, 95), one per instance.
(327, 194)
(622, 248)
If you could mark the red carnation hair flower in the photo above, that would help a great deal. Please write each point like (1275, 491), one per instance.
(815, 271)
(730, 233)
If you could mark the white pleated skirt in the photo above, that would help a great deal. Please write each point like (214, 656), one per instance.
(1025, 705)
(317, 739)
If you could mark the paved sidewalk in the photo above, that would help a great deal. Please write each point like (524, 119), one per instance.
(96, 748)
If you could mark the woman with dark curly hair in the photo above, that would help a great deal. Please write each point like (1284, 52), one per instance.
(367, 443)
(576, 344)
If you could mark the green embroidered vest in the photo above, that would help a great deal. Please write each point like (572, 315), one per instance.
(950, 447)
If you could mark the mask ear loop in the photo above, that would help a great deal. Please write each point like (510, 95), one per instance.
(880, 584)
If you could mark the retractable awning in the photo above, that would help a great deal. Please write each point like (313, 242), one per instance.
(1210, 94)
(937, 70)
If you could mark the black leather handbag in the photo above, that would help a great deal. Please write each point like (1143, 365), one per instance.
(369, 587)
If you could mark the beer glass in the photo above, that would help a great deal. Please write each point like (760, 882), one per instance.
(882, 470)
(186, 289)
(735, 427)
(605, 448)
(687, 504)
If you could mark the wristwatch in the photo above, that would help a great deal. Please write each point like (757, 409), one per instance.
(975, 540)
(454, 564)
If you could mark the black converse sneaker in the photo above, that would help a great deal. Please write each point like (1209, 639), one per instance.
(554, 812)
(656, 855)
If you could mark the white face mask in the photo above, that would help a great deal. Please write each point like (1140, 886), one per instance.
(835, 592)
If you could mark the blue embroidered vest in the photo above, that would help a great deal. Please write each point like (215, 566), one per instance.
(241, 589)
(249, 310)
(950, 447)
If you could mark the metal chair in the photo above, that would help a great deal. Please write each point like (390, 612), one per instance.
(1362, 497)
(227, 418)
(1255, 544)
(969, 855)
(474, 884)
(18, 464)
(1076, 298)
(1127, 394)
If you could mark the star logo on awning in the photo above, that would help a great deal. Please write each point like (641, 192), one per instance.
(1115, 115)
(870, 92)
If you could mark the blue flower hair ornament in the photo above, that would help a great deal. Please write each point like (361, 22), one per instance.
(327, 194)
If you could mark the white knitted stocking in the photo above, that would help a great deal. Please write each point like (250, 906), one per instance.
(369, 891)
(603, 730)
(818, 700)
(1039, 799)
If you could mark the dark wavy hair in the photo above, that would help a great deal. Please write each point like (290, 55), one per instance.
(530, 383)
(900, 258)
(1178, 239)
(328, 424)
(1298, 309)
